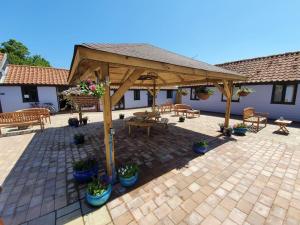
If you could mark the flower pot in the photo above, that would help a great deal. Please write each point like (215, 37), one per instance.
(200, 149)
(128, 182)
(121, 116)
(79, 140)
(227, 132)
(243, 93)
(181, 119)
(97, 200)
(240, 131)
(84, 121)
(86, 175)
(222, 129)
(203, 96)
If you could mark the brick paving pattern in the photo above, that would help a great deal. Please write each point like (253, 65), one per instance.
(243, 180)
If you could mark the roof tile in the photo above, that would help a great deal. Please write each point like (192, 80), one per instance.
(24, 74)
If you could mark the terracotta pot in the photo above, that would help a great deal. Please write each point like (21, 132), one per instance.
(242, 93)
(203, 96)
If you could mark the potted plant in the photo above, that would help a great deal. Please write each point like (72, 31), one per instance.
(73, 122)
(84, 120)
(128, 174)
(78, 139)
(240, 129)
(85, 170)
(203, 92)
(200, 147)
(244, 91)
(98, 193)
(222, 126)
(227, 131)
(121, 116)
(181, 119)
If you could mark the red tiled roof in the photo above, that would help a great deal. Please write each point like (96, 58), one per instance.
(1, 56)
(281, 67)
(23, 74)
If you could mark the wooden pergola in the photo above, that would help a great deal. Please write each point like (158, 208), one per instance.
(134, 65)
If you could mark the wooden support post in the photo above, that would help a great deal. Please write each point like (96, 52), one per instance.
(107, 120)
(228, 91)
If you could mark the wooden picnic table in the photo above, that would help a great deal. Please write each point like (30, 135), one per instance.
(140, 123)
(282, 125)
(146, 115)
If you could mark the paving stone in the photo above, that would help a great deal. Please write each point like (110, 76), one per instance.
(177, 215)
(71, 218)
(124, 219)
(48, 219)
(68, 209)
(97, 217)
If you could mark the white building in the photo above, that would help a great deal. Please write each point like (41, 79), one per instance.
(275, 80)
(22, 85)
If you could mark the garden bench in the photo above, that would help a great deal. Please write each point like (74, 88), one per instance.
(19, 119)
(250, 116)
(185, 109)
(43, 112)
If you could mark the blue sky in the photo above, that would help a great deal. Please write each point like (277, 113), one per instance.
(213, 31)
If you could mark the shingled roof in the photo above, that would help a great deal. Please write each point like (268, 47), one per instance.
(281, 67)
(151, 52)
(23, 74)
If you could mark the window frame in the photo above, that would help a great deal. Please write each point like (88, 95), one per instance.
(191, 93)
(136, 95)
(168, 92)
(293, 102)
(25, 100)
(238, 100)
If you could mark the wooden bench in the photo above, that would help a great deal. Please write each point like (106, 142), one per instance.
(185, 109)
(257, 118)
(43, 112)
(168, 106)
(18, 119)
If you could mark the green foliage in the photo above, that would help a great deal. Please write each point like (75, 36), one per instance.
(244, 90)
(127, 171)
(240, 125)
(204, 90)
(19, 54)
(89, 87)
(96, 188)
(201, 144)
(84, 165)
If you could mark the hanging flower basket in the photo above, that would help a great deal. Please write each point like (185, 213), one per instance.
(203, 96)
(203, 93)
(84, 99)
(242, 92)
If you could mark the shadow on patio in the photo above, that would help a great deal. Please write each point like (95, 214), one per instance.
(41, 182)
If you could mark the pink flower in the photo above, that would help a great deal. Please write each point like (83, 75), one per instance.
(89, 81)
(92, 87)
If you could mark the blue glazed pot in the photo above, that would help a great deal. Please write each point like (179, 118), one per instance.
(200, 149)
(128, 182)
(99, 199)
(87, 175)
(240, 131)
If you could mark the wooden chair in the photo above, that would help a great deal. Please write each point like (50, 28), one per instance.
(18, 119)
(257, 118)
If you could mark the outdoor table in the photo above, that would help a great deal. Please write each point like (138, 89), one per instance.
(145, 115)
(282, 125)
(140, 123)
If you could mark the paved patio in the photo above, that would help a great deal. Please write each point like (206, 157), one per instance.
(253, 179)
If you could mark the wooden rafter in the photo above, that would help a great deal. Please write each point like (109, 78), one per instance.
(126, 85)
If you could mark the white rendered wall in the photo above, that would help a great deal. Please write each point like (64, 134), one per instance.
(260, 100)
(11, 97)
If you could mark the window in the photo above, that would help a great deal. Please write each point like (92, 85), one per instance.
(29, 94)
(284, 94)
(169, 93)
(235, 97)
(136, 95)
(193, 95)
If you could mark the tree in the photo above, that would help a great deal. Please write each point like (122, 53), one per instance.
(19, 54)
